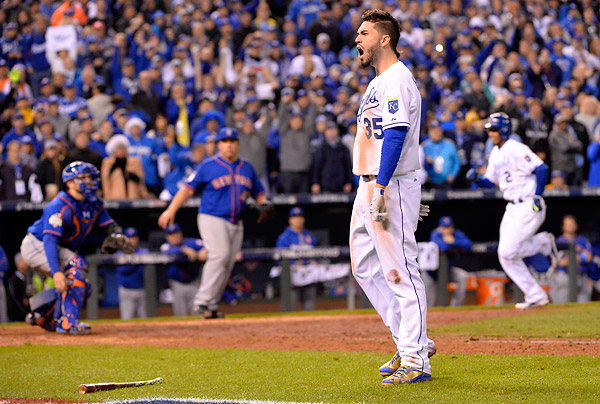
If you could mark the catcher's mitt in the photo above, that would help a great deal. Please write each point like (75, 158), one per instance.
(117, 242)
(267, 211)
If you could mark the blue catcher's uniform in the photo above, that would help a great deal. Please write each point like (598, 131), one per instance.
(52, 240)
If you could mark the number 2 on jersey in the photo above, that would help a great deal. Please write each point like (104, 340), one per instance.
(373, 129)
(508, 177)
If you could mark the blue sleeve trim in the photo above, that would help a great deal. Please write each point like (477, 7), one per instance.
(393, 140)
(541, 175)
(51, 250)
(485, 183)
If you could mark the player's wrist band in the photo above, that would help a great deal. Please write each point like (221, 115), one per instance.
(378, 191)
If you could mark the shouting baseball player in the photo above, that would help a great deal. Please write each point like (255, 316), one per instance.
(383, 247)
(521, 176)
(51, 241)
(225, 182)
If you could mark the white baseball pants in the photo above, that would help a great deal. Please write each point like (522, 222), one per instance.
(223, 241)
(518, 240)
(384, 263)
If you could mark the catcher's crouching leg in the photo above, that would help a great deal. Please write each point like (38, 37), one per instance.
(71, 301)
(42, 306)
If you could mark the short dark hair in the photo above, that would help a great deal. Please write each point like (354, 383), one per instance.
(386, 24)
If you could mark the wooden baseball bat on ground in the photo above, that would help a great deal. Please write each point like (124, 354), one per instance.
(90, 388)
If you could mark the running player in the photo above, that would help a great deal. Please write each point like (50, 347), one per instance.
(521, 176)
(383, 247)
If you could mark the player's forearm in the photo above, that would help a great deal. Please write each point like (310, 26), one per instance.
(391, 149)
(541, 176)
(180, 198)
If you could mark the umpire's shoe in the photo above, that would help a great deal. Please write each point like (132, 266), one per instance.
(206, 313)
(405, 375)
(390, 367)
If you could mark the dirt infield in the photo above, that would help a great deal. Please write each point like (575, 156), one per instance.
(347, 333)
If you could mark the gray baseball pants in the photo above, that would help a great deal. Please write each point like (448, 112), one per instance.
(223, 241)
(132, 303)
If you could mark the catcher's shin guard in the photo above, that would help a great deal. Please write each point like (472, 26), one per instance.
(71, 300)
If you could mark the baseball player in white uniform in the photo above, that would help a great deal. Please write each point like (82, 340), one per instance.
(521, 176)
(383, 248)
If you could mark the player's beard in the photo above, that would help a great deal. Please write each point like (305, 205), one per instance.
(370, 56)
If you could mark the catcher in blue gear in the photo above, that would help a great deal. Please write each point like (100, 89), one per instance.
(51, 243)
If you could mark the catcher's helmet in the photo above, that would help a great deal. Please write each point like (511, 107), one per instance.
(500, 122)
(78, 169)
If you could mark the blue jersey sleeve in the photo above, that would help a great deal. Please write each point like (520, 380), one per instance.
(393, 140)
(194, 243)
(51, 250)
(104, 218)
(198, 178)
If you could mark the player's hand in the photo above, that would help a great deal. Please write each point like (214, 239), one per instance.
(537, 203)
(377, 208)
(166, 218)
(423, 211)
(60, 281)
(472, 175)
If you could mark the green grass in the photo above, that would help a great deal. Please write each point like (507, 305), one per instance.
(570, 321)
(56, 371)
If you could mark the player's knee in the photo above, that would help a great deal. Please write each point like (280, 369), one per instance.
(221, 257)
(507, 252)
(76, 272)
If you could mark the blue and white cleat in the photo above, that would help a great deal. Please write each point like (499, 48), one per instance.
(405, 375)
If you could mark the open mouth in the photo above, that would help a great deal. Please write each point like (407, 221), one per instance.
(360, 51)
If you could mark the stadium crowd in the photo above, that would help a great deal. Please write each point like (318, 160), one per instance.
(140, 88)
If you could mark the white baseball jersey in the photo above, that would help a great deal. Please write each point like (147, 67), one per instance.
(511, 167)
(392, 99)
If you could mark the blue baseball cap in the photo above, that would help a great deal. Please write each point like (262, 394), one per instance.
(446, 221)
(69, 84)
(45, 81)
(158, 14)
(173, 228)
(297, 211)
(131, 232)
(18, 115)
(301, 93)
(26, 139)
(227, 133)
(11, 26)
(54, 99)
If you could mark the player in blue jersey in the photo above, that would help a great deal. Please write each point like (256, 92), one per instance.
(183, 276)
(225, 182)
(132, 295)
(51, 243)
(297, 237)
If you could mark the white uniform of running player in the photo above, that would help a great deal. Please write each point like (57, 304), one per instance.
(511, 167)
(384, 254)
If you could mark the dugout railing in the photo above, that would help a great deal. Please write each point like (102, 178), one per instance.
(285, 256)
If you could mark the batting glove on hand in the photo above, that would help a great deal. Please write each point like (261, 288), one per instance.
(377, 208)
(537, 203)
(472, 175)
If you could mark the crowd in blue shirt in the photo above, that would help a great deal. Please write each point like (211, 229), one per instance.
(168, 78)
